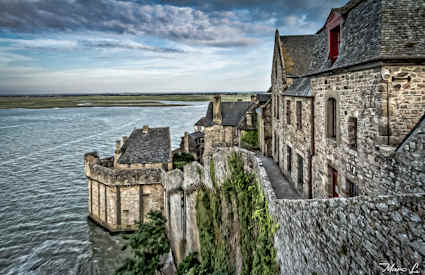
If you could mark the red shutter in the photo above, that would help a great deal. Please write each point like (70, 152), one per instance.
(334, 43)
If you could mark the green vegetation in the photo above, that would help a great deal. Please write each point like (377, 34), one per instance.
(216, 218)
(250, 139)
(189, 265)
(181, 159)
(40, 102)
(148, 244)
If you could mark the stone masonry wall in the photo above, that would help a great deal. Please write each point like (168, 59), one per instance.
(299, 140)
(120, 199)
(347, 235)
(332, 236)
(362, 95)
(405, 91)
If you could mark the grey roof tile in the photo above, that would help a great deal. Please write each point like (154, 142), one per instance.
(296, 51)
(300, 87)
(151, 147)
(231, 112)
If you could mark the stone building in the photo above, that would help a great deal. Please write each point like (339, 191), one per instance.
(124, 188)
(264, 123)
(344, 98)
(193, 144)
(226, 121)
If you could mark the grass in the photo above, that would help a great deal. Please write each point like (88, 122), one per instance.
(41, 102)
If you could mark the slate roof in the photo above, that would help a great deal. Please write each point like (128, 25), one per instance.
(300, 87)
(373, 30)
(231, 112)
(196, 135)
(296, 52)
(151, 147)
(262, 98)
(201, 122)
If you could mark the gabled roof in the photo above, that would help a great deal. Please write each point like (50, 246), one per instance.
(296, 52)
(373, 31)
(231, 112)
(151, 147)
(342, 10)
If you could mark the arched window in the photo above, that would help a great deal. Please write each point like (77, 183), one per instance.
(331, 115)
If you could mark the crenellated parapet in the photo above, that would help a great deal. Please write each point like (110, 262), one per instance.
(120, 199)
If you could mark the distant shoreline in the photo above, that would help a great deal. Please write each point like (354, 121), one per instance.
(110, 100)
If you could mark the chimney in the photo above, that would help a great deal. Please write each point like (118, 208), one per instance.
(217, 109)
(117, 146)
(145, 129)
(124, 139)
(186, 142)
(254, 99)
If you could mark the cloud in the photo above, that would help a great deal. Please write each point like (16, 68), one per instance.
(57, 44)
(123, 17)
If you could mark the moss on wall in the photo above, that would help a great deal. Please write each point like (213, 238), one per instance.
(216, 218)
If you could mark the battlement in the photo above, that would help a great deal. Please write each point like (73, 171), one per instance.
(119, 199)
(102, 170)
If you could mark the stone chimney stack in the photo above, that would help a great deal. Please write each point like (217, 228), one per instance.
(217, 118)
(145, 129)
(117, 146)
(186, 142)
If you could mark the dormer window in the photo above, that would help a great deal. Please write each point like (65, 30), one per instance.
(334, 38)
(333, 25)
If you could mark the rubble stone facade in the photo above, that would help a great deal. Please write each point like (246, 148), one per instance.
(342, 119)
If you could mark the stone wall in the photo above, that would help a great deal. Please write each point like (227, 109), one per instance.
(341, 236)
(265, 128)
(120, 199)
(332, 236)
(300, 142)
(219, 135)
(362, 95)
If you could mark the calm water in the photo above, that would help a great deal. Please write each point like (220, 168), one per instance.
(43, 198)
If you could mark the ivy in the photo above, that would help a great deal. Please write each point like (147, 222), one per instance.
(181, 159)
(256, 225)
(147, 245)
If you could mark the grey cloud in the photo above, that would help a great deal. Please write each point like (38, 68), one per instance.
(58, 44)
(179, 24)
(129, 45)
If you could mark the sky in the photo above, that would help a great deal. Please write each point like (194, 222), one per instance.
(101, 46)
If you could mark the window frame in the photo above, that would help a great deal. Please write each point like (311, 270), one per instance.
(332, 118)
(299, 114)
(288, 112)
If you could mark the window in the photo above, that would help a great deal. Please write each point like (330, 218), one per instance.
(334, 182)
(334, 38)
(352, 133)
(289, 156)
(288, 112)
(331, 117)
(354, 189)
(300, 170)
(299, 115)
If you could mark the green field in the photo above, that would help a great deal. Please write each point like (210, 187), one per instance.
(40, 102)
